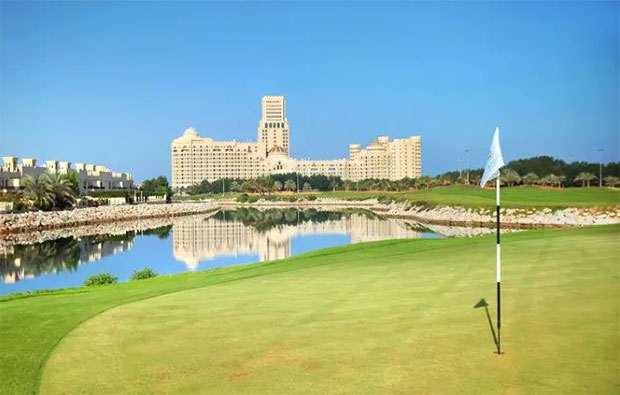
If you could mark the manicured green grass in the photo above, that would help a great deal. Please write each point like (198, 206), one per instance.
(386, 317)
(515, 197)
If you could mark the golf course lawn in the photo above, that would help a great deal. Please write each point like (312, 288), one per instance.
(515, 197)
(390, 317)
(473, 196)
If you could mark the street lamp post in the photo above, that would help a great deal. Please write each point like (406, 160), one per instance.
(600, 168)
(467, 159)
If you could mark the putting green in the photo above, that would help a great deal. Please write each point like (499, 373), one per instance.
(379, 319)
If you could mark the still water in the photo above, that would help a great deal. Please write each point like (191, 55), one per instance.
(65, 258)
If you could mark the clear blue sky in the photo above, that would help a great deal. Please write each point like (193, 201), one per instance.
(114, 83)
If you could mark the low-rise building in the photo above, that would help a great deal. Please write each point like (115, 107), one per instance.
(90, 177)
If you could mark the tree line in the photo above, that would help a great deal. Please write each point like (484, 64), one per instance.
(547, 171)
(543, 170)
(47, 191)
(59, 191)
(267, 184)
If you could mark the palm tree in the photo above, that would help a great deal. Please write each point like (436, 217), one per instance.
(37, 192)
(531, 179)
(553, 180)
(548, 179)
(428, 181)
(72, 177)
(61, 188)
(263, 184)
(611, 181)
(247, 186)
(510, 177)
(347, 184)
(235, 187)
(334, 184)
(307, 187)
(290, 185)
(585, 178)
(277, 186)
(560, 180)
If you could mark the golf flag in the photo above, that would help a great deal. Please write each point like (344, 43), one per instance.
(495, 160)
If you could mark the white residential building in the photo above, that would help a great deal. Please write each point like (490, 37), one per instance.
(90, 177)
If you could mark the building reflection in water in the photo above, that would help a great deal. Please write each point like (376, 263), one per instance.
(23, 261)
(269, 233)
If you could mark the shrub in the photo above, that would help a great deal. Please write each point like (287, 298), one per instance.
(312, 197)
(384, 199)
(243, 198)
(110, 194)
(101, 279)
(143, 274)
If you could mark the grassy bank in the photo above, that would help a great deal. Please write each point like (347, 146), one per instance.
(515, 197)
(385, 317)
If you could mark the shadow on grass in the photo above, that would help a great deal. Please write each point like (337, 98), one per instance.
(483, 303)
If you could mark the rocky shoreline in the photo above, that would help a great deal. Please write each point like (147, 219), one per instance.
(47, 220)
(11, 224)
(510, 218)
(460, 216)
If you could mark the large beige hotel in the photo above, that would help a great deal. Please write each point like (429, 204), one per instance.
(196, 158)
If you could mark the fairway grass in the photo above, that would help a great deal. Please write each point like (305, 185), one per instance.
(387, 317)
(515, 197)
(473, 196)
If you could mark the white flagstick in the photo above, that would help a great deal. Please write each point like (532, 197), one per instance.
(495, 161)
(499, 268)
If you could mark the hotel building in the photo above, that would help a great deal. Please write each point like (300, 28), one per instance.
(195, 158)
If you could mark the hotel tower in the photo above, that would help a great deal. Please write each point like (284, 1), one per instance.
(196, 158)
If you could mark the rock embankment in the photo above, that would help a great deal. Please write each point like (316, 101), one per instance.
(440, 215)
(460, 216)
(46, 220)
(510, 218)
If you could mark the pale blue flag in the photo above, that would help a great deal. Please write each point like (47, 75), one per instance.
(495, 160)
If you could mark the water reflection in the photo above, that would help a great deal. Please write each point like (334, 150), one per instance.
(65, 254)
(64, 258)
(270, 232)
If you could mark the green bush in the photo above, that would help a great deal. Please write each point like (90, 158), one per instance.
(245, 198)
(385, 199)
(312, 197)
(110, 193)
(101, 279)
(143, 274)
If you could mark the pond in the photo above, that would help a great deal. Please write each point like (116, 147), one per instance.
(65, 258)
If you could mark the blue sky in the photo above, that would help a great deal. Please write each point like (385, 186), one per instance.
(114, 83)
